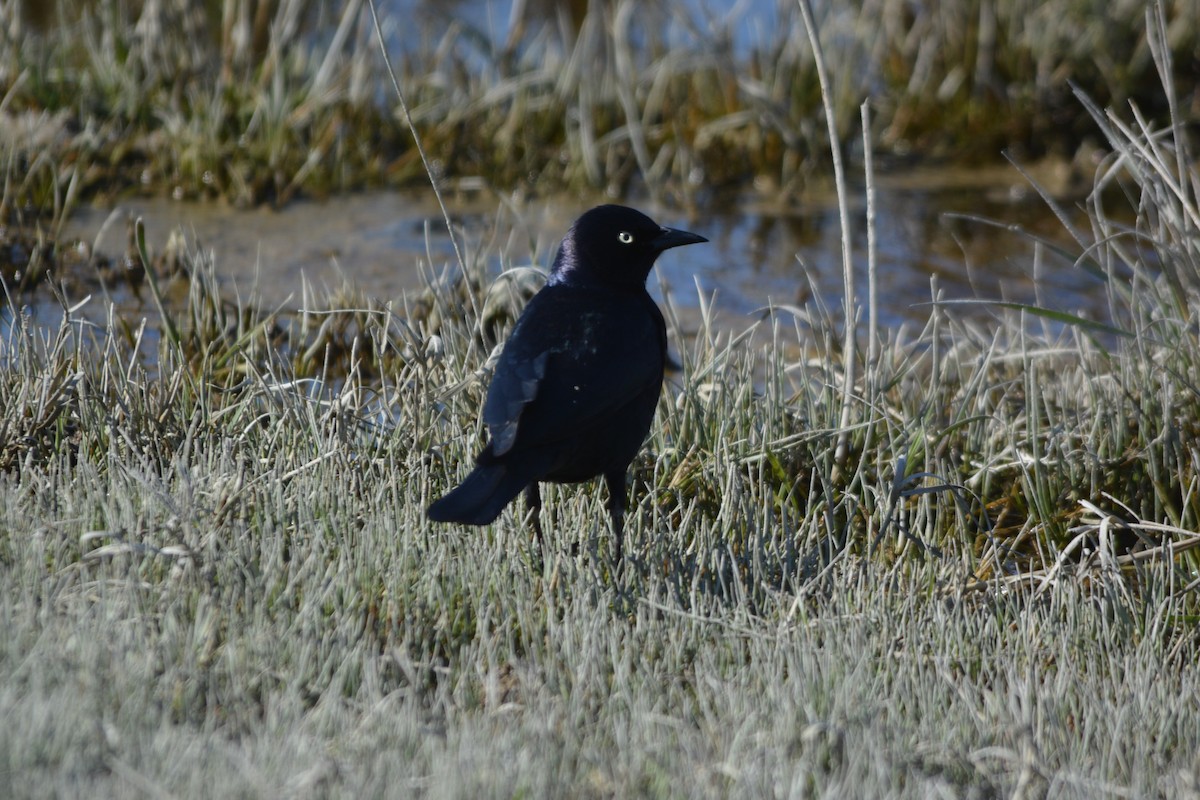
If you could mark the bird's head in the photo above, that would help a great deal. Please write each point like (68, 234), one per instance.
(614, 246)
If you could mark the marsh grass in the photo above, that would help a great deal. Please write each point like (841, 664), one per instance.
(217, 577)
(256, 102)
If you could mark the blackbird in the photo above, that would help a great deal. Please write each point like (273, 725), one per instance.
(577, 382)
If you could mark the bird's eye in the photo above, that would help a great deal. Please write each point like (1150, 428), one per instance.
(625, 237)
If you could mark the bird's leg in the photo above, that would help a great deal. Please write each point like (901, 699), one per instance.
(616, 509)
(533, 501)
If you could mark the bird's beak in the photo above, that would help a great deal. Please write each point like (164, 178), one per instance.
(670, 237)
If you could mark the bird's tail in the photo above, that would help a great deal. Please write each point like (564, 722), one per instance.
(480, 498)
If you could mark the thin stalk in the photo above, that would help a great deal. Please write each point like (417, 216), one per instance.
(872, 248)
(839, 175)
(462, 263)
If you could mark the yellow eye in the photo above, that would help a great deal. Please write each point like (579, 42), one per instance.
(625, 237)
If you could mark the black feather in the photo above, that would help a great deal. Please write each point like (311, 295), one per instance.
(575, 389)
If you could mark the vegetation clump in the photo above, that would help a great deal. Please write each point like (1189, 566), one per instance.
(261, 101)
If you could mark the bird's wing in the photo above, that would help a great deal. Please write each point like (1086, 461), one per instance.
(514, 387)
(570, 363)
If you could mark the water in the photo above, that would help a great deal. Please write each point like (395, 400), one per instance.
(388, 243)
(740, 25)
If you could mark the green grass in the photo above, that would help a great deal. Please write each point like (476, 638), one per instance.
(971, 570)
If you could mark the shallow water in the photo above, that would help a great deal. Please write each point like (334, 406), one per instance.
(387, 243)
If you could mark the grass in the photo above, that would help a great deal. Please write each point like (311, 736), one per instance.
(259, 102)
(216, 579)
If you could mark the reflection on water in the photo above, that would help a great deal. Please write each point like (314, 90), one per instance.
(920, 236)
(386, 243)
